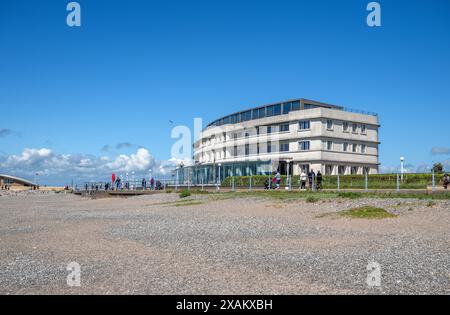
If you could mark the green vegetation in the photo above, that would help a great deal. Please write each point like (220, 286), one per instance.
(350, 195)
(367, 212)
(296, 195)
(169, 191)
(185, 194)
(379, 181)
(188, 203)
(311, 199)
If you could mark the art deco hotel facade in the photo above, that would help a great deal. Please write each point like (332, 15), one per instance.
(289, 137)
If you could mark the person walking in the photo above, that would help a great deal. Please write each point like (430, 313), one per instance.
(310, 180)
(319, 181)
(152, 184)
(278, 177)
(303, 179)
(446, 181)
(144, 184)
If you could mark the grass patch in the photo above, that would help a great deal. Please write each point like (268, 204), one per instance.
(185, 194)
(350, 195)
(169, 191)
(188, 203)
(367, 212)
(311, 199)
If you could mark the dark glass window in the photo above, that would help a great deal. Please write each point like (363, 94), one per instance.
(270, 111)
(262, 112)
(246, 116)
(287, 108)
(284, 147)
(247, 149)
(269, 147)
(255, 114)
(304, 145)
(284, 127)
(269, 129)
(277, 110)
(305, 125)
(295, 105)
(310, 106)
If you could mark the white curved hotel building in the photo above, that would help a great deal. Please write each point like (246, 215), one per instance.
(289, 137)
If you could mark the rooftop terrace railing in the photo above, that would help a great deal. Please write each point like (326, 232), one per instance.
(357, 111)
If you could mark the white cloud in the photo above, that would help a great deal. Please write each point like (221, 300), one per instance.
(59, 169)
(440, 151)
(141, 161)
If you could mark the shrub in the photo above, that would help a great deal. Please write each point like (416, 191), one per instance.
(185, 194)
(349, 195)
(311, 199)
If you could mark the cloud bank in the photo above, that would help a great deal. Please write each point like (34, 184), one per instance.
(61, 169)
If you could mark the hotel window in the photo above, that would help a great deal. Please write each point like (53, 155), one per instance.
(246, 116)
(257, 148)
(270, 111)
(235, 136)
(257, 131)
(305, 125)
(287, 108)
(329, 145)
(284, 128)
(304, 145)
(329, 124)
(345, 147)
(284, 147)
(247, 134)
(345, 126)
(224, 135)
(354, 170)
(255, 114)
(295, 106)
(247, 150)
(235, 151)
(224, 153)
(363, 129)
(269, 147)
(354, 148)
(354, 127)
(309, 106)
(328, 169)
(341, 170)
(277, 110)
(262, 112)
(269, 129)
(363, 148)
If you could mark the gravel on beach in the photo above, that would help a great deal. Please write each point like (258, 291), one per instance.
(161, 244)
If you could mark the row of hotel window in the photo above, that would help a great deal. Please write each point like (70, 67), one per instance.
(303, 125)
(266, 111)
(303, 146)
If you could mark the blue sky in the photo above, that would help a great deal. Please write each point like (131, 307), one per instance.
(112, 86)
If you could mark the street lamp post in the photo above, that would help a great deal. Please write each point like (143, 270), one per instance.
(402, 161)
(219, 182)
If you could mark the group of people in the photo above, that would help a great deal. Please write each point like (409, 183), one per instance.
(313, 179)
